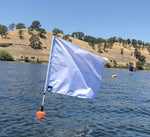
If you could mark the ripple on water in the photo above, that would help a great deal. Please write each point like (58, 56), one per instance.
(121, 108)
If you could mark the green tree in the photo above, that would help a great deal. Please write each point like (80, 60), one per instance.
(78, 35)
(26, 59)
(38, 60)
(56, 31)
(137, 54)
(99, 48)
(134, 43)
(107, 65)
(142, 59)
(93, 45)
(105, 46)
(140, 42)
(125, 42)
(35, 42)
(42, 33)
(143, 45)
(90, 39)
(70, 40)
(20, 26)
(66, 37)
(147, 44)
(121, 51)
(3, 30)
(115, 63)
(20, 32)
(122, 55)
(11, 26)
(120, 40)
(139, 65)
(111, 41)
(36, 25)
(100, 40)
(128, 41)
(6, 56)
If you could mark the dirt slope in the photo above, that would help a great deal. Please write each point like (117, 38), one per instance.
(20, 48)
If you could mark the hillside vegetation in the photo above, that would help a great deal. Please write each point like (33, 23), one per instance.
(32, 45)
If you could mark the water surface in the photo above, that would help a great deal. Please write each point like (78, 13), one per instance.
(121, 108)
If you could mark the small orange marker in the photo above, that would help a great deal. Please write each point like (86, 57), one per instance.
(40, 114)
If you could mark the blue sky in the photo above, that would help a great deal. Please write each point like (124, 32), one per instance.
(98, 18)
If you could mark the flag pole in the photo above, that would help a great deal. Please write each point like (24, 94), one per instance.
(49, 89)
(41, 113)
(42, 106)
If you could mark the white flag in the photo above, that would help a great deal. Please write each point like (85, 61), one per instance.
(73, 71)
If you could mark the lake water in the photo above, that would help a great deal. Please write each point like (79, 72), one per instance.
(121, 108)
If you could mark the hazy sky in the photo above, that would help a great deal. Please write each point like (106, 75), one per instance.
(98, 18)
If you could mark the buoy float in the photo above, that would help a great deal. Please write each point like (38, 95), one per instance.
(114, 76)
(40, 114)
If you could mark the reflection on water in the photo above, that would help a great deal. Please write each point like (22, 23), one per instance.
(121, 108)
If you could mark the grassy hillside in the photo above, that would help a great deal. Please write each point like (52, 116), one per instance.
(20, 48)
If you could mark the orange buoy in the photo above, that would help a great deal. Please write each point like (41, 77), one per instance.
(40, 114)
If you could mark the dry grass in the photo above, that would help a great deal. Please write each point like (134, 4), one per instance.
(20, 48)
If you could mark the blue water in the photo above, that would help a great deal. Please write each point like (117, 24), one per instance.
(121, 108)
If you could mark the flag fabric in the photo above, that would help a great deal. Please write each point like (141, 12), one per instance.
(73, 71)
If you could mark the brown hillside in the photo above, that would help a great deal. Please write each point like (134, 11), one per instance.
(20, 48)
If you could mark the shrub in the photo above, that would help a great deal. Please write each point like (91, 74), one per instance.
(147, 66)
(38, 60)
(107, 65)
(26, 59)
(65, 37)
(139, 65)
(33, 57)
(70, 40)
(35, 42)
(115, 63)
(6, 56)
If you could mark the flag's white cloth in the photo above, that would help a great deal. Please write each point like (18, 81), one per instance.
(73, 71)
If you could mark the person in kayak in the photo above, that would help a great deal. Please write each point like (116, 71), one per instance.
(131, 68)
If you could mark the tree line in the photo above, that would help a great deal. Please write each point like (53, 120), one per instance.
(36, 32)
(36, 25)
(35, 37)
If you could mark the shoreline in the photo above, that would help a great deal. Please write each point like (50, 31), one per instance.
(46, 63)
